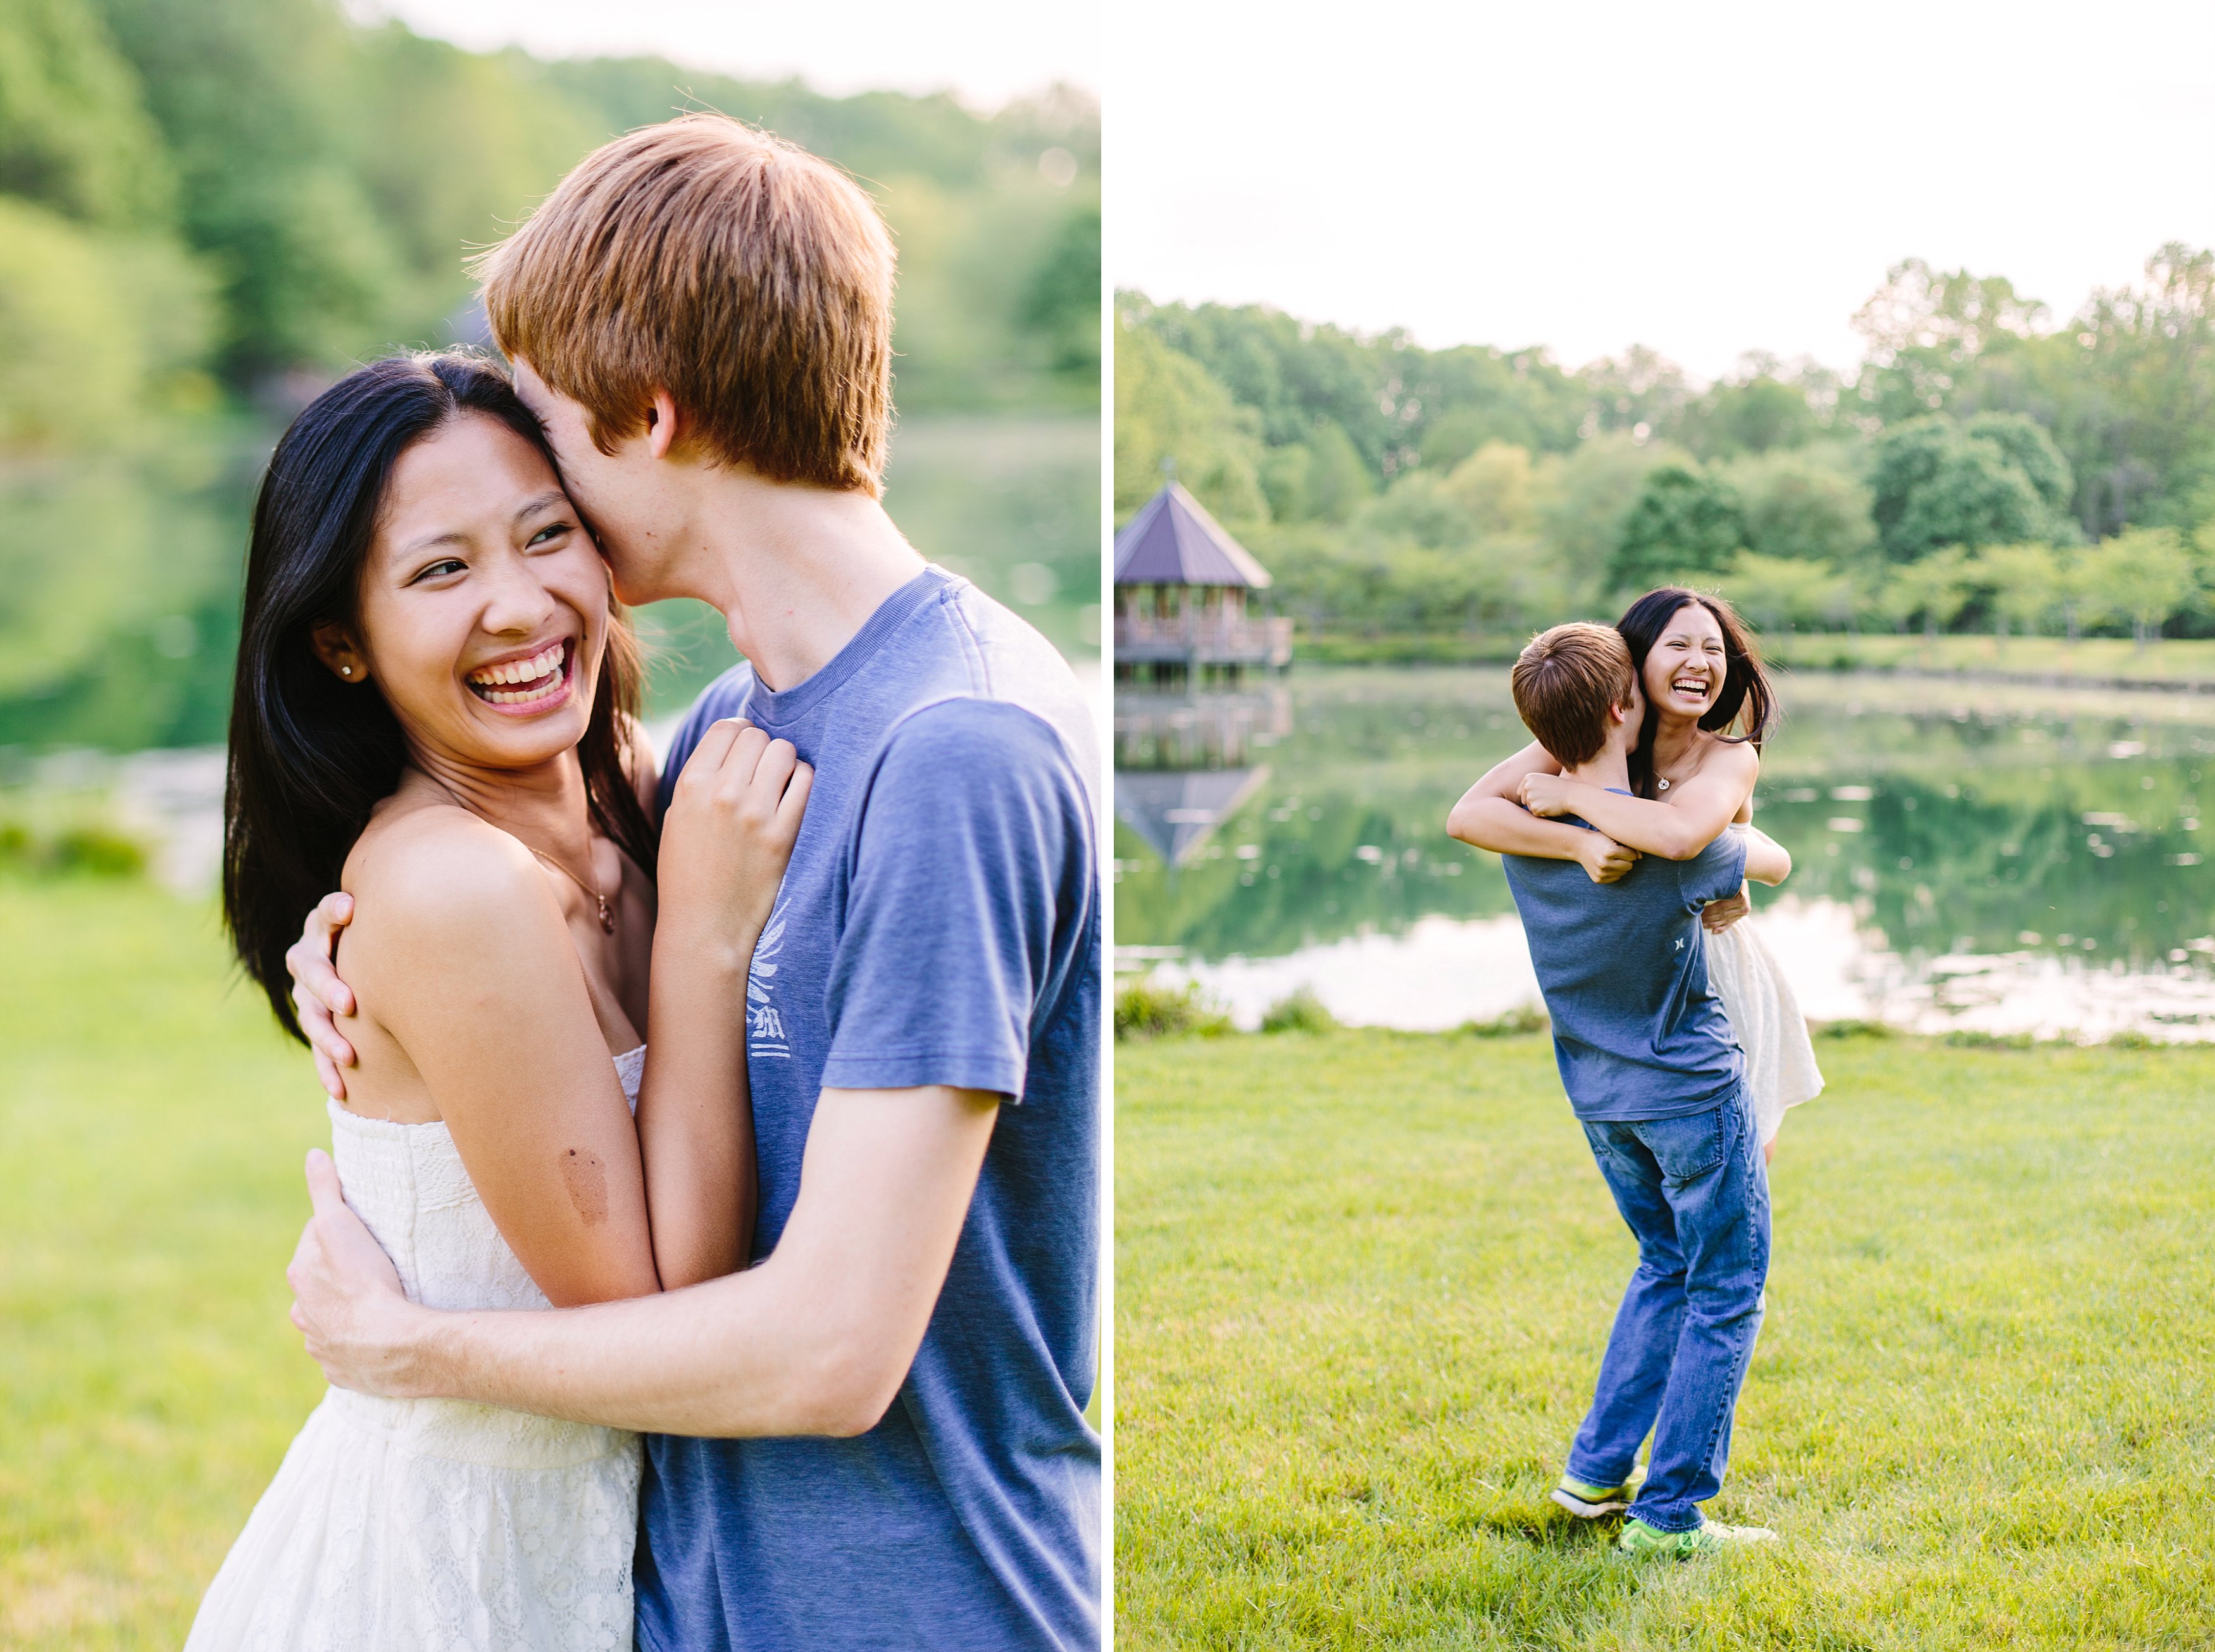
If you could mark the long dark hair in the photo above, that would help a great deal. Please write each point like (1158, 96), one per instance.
(309, 755)
(1747, 694)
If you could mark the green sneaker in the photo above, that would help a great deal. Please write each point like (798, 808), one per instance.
(1710, 1537)
(1589, 1502)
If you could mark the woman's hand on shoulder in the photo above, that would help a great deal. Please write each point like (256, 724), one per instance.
(733, 819)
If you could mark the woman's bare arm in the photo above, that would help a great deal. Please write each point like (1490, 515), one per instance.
(1488, 817)
(462, 954)
(1693, 817)
(725, 844)
(1767, 861)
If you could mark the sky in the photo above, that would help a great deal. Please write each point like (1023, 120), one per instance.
(987, 51)
(1703, 178)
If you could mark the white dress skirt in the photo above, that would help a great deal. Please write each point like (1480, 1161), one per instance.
(1780, 1059)
(434, 1526)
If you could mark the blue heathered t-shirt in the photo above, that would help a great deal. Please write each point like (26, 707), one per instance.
(1637, 1032)
(939, 925)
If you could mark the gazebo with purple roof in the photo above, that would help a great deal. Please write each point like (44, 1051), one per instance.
(1180, 585)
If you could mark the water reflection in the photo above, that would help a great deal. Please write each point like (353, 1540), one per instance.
(2003, 858)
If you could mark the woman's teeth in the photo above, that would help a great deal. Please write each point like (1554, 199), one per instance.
(520, 682)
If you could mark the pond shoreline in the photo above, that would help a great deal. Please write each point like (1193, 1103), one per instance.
(2170, 666)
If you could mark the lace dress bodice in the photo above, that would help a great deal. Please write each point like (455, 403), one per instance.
(434, 1523)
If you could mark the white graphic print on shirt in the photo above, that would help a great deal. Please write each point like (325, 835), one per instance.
(765, 1035)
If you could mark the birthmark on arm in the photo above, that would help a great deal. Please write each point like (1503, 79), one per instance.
(586, 1180)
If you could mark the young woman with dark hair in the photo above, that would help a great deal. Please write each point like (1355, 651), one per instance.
(1710, 705)
(434, 712)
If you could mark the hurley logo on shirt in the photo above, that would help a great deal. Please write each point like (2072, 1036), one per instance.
(764, 1027)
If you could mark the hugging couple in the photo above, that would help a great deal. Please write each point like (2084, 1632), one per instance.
(769, 1080)
(1626, 834)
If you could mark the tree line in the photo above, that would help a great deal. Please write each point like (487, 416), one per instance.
(1985, 465)
(205, 204)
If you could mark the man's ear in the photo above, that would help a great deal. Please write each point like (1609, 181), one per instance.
(334, 645)
(663, 426)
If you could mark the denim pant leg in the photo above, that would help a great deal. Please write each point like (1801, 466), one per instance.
(1718, 1190)
(1634, 1372)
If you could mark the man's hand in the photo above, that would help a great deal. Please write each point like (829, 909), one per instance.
(1547, 794)
(317, 991)
(1604, 859)
(345, 1297)
(1719, 915)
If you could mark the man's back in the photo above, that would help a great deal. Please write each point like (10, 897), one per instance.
(939, 925)
(1637, 1032)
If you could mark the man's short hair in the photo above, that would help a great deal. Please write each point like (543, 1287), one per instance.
(1566, 681)
(747, 278)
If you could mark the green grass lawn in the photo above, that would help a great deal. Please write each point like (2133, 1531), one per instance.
(1363, 1280)
(152, 1123)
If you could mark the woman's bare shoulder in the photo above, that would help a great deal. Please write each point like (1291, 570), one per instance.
(429, 862)
(1729, 757)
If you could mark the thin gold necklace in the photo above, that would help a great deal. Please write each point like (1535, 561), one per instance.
(599, 899)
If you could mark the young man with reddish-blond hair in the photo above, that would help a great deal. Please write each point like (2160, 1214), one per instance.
(1654, 1074)
(873, 1436)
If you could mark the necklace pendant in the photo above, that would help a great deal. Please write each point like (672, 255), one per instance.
(1662, 784)
(607, 918)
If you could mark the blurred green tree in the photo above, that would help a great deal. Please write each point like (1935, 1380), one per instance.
(1686, 523)
(2144, 574)
(1167, 408)
(1935, 483)
(2020, 585)
(1935, 589)
(1757, 413)
(74, 136)
(1780, 592)
(1928, 332)
(1806, 503)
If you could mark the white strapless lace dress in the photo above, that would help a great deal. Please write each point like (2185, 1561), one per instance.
(1779, 1057)
(434, 1526)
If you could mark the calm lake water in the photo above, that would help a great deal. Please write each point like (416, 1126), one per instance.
(1967, 856)
(119, 580)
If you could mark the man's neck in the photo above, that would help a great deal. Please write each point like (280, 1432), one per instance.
(797, 571)
(1610, 769)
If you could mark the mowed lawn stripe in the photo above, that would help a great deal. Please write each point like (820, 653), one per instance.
(1363, 1280)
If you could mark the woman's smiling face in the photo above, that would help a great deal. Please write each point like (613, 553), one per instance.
(483, 607)
(1685, 667)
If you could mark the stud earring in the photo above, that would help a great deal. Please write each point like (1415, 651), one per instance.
(345, 671)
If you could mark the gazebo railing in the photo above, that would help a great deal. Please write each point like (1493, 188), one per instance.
(1204, 639)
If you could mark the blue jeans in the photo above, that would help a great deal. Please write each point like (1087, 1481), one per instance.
(1696, 1194)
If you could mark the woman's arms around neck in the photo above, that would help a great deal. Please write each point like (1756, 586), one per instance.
(1693, 816)
(1489, 817)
